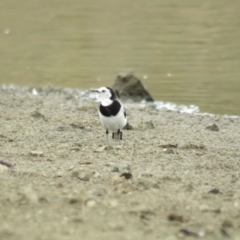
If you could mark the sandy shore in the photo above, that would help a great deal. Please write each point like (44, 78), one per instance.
(170, 179)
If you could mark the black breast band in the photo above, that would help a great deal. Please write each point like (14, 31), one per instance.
(111, 110)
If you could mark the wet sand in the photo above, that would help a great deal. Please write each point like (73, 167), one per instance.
(171, 178)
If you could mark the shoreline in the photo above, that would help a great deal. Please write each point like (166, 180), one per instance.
(159, 105)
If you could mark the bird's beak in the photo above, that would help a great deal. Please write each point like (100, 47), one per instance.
(94, 90)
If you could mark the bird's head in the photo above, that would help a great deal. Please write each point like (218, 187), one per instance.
(106, 93)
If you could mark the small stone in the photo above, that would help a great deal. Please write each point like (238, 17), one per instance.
(201, 233)
(175, 217)
(91, 203)
(59, 174)
(213, 127)
(96, 174)
(71, 168)
(185, 232)
(7, 164)
(36, 153)
(168, 151)
(84, 176)
(126, 175)
(214, 191)
(204, 208)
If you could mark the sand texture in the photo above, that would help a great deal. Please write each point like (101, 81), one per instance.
(171, 178)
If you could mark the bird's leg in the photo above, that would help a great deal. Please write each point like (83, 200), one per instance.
(113, 135)
(119, 133)
(107, 136)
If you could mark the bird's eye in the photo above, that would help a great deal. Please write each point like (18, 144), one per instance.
(103, 91)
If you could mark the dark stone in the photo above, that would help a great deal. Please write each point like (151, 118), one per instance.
(214, 191)
(213, 127)
(126, 175)
(175, 217)
(128, 86)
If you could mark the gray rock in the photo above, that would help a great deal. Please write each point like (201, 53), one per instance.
(128, 86)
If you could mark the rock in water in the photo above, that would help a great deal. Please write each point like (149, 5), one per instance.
(128, 86)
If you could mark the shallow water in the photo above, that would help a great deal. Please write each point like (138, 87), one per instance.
(186, 52)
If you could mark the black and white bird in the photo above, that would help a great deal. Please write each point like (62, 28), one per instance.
(111, 112)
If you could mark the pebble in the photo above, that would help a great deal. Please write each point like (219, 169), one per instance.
(36, 153)
(59, 174)
(71, 168)
(96, 174)
(213, 127)
(214, 191)
(84, 176)
(7, 164)
(75, 149)
(91, 203)
(126, 175)
(204, 208)
(168, 151)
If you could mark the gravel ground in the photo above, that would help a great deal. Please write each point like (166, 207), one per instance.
(171, 178)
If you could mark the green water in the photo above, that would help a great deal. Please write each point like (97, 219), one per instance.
(188, 51)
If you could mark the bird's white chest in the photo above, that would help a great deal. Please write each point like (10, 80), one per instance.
(113, 123)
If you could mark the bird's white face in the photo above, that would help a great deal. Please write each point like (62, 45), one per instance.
(104, 93)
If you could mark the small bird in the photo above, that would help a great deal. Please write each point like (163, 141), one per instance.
(111, 112)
